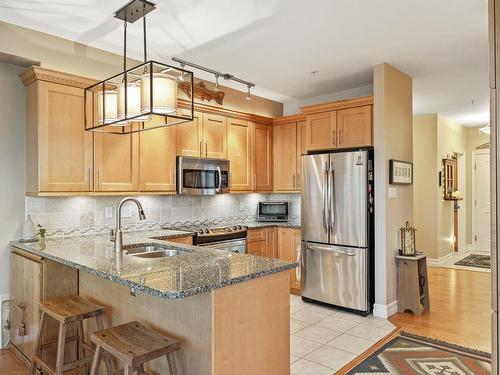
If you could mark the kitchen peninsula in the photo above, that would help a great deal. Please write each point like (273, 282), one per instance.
(230, 311)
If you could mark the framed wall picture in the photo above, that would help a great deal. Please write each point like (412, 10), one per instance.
(400, 172)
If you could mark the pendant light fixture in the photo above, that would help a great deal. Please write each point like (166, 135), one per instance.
(141, 98)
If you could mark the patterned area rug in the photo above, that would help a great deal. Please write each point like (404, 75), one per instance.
(408, 354)
(475, 260)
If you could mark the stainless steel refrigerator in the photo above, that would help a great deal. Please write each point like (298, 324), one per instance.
(336, 253)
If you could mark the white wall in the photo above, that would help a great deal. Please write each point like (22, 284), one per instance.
(12, 178)
(292, 107)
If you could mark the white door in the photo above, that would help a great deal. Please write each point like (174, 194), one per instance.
(482, 203)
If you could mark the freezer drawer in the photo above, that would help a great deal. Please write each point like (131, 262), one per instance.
(335, 275)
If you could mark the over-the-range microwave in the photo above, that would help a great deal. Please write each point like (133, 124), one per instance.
(199, 176)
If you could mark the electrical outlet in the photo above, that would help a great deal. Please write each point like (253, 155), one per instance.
(127, 211)
(108, 212)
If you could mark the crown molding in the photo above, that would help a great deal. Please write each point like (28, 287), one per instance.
(339, 104)
(289, 119)
(221, 111)
(36, 73)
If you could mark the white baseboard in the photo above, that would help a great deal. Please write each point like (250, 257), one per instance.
(432, 262)
(3, 297)
(385, 311)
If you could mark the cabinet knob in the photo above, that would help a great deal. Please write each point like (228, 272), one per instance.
(21, 305)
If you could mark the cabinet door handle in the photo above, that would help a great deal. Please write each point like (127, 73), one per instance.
(254, 181)
(333, 137)
(98, 178)
(293, 177)
(206, 149)
(340, 137)
(298, 182)
(90, 181)
(201, 148)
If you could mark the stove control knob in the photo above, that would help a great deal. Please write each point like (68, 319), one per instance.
(200, 231)
(239, 226)
(207, 231)
(235, 227)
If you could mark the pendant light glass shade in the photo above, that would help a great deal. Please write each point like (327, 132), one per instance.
(133, 94)
(164, 92)
(107, 106)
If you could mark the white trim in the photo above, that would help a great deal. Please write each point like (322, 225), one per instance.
(3, 298)
(475, 152)
(462, 187)
(433, 262)
(385, 311)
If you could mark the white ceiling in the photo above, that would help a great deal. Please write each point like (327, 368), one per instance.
(442, 44)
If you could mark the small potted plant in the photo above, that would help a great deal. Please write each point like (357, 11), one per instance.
(41, 233)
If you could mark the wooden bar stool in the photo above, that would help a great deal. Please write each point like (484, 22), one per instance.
(66, 310)
(133, 345)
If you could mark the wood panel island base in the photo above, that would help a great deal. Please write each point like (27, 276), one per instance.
(240, 329)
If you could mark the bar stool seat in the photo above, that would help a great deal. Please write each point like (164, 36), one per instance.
(70, 309)
(66, 310)
(133, 345)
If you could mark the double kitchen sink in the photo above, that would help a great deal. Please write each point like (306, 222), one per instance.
(153, 250)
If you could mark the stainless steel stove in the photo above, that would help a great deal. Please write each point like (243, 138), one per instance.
(231, 238)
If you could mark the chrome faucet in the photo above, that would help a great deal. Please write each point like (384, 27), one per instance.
(116, 234)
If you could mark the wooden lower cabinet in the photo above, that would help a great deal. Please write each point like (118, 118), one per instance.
(33, 279)
(187, 240)
(263, 242)
(288, 244)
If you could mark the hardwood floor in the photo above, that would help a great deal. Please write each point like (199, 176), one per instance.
(10, 364)
(460, 309)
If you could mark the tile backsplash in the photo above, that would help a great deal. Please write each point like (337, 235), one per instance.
(60, 213)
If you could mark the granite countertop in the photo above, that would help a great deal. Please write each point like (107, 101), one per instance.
(196, 271)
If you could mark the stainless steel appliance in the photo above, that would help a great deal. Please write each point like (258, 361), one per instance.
(198, 176)
(231, 238)
(337, 248)
(272, 211)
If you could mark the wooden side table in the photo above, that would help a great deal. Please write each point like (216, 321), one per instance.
(413, 284)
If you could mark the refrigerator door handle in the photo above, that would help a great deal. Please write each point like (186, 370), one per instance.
(325, 199)
(330, 250)
(332, 199)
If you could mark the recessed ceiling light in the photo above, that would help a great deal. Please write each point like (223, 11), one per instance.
(315, 73)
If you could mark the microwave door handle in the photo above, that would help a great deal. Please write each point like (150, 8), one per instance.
(325, 198)
(217, 190)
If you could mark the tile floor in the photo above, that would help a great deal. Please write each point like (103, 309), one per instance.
(323, 339)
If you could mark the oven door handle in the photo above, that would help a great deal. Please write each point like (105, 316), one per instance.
(217, 190)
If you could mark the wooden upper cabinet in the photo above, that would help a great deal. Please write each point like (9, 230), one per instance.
(354, 127)
(301, 150)
(240, 150)
(285, 157)
(214, 136)
(263, 158)
(59, 150)
(189, 137)
(321, 131)
(116, 162)
(157, 162)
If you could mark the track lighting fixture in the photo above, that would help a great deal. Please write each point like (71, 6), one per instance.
(249, 95)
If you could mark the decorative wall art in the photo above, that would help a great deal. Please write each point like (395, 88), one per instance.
(400, 172)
